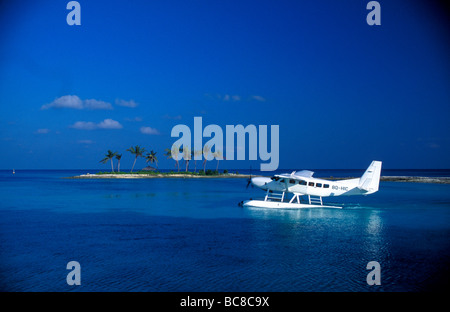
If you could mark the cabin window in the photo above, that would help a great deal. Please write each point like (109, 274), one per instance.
(319, 185)
(275, 178)
(302, 182)
(311, 183)
(292, 181)
(326, 186)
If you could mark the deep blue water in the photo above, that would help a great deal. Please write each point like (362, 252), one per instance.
(191, 235)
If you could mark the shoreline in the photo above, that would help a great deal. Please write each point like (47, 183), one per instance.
(438, 180)
(154, 176)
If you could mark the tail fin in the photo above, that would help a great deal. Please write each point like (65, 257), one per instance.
(370, 180)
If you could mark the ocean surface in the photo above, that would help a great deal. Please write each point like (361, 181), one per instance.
(191, 235)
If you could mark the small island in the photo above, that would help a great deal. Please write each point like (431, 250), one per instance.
(158, 174)
(151, 172)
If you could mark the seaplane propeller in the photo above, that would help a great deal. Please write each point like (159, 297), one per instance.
(249, 180)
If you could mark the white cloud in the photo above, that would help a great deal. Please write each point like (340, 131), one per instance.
(130, 103)
(225, 98)
(66, 101)
(258, 98)
(84, 125)
(89, 125)
(109, 124)
(228, 97)
(96, 104)
(74, 102)
(149, 130)
(86, 142)
(42, 131)
(234, 98)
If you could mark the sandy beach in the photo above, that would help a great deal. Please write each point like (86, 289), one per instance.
(151, 176)
(440, 180)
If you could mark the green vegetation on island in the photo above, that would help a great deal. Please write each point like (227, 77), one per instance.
(208, 172)
(173, 153)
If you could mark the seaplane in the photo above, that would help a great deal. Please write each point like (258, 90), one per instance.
(288, 190)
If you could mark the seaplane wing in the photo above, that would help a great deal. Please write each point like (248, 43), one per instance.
(303, 174)
(300, 183)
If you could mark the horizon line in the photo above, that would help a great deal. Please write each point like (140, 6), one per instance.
(221, 169)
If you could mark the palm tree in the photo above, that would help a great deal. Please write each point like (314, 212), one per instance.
(196, 153)
(187, 156)
(168, 153)
(173, 153)
(151, 157)
(218, 155)
(206, 150)
(137, 151)
(109, 156)
(118, 157)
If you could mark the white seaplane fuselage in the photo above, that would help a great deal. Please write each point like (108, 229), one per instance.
(302, 183)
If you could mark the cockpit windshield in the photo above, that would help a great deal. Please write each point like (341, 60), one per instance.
(275, 178)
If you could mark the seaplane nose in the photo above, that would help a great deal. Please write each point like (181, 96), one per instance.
(260, 181)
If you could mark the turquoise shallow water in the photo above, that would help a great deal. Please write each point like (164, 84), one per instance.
(191, 235)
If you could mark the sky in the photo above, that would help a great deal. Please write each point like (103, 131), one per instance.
(343, 92)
